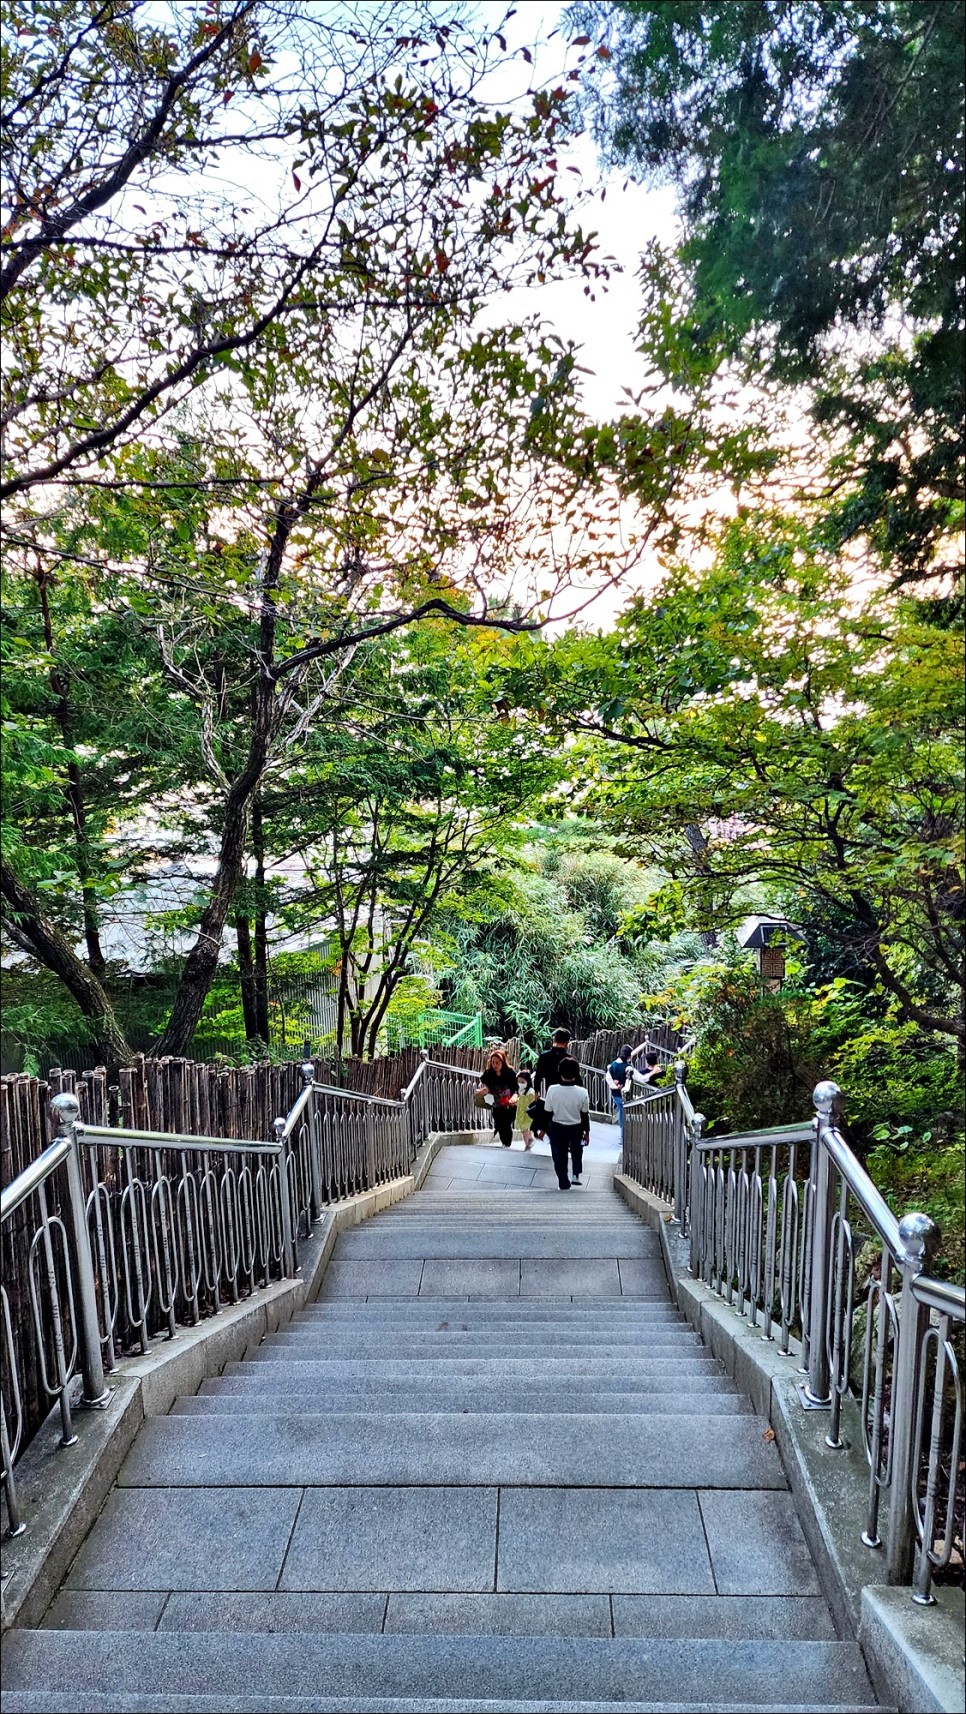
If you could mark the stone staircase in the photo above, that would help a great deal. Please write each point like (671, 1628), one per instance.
(491, 1469)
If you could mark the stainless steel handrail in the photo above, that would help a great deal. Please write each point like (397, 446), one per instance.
(123, 1137)
(871, 1201)
(355, 1095)
(939, 1295)
(768, 1134)
(32, 1176)
(652, 1095)
(458, 1070)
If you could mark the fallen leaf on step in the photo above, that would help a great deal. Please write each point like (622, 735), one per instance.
(769, 1434)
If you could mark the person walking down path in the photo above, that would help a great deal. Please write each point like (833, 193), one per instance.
(499, 1081)
(547, 1068)
(654, 1068)
(567, 1105)
(619, 1073)
(526, 1096)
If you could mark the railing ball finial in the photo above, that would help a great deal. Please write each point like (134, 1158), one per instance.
(697, 1126)
(278, 1126)
(66, 1111)
(921, 1238)
(680, 1067)
(827, 1099)
(308, 1071)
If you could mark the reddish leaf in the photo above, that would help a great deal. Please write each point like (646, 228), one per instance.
(296, 181)
(527, 55)
(442, 261)
(604, 53)
(227, 97)
(256, 60)
(581, 42)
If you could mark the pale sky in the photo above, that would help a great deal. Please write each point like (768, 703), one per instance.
(626, 220)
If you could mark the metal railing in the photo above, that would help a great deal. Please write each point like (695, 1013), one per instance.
(659, 1128)
(133, 1233)
(788, 1228)
(594, 1078)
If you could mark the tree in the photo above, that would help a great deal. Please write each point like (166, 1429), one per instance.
(818, 150)
(297, 435)
(815, 743)
(401, 809)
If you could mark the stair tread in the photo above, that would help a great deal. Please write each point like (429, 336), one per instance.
(311, 1404)
(557, 1671)
(674, 1450)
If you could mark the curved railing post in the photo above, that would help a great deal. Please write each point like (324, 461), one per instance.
(307, 1071)
(66, 1111)
(920, 1237)
(285, 1196)
(680, 1142)
(691, 1161)
(816, 1393)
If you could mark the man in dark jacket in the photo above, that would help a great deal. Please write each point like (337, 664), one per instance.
(546, 1072)
(547, 1067)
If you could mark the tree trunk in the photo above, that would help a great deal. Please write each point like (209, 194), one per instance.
(260, 968)
(246, 975)
(699, 845)
(73, 792)
(202, 961)
(52, 948)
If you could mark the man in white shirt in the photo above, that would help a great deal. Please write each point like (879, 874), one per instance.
(567, 1105)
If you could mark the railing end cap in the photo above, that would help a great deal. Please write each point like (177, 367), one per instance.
(826, 1098)
(920, 1237)
(66, 1109)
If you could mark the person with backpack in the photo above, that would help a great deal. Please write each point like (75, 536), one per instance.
(547, 1067)
(567, 1106)
(546, 1072)
(498, 1086)
(619, 1074)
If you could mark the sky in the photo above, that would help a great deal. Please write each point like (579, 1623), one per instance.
(627, 218)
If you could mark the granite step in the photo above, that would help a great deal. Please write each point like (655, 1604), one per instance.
(621, 1317)
(694, 1450)
(549, 1241)
(80, 1702)
(442, 1398)
(317, 1370)
(257, 1672)
(503, 1279)
(456, 1342)
(690, 1389)
(739, 1616)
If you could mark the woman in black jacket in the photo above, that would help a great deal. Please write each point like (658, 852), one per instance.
(499, 1080)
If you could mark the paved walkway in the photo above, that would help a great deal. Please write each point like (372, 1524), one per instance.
(491, 1468)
